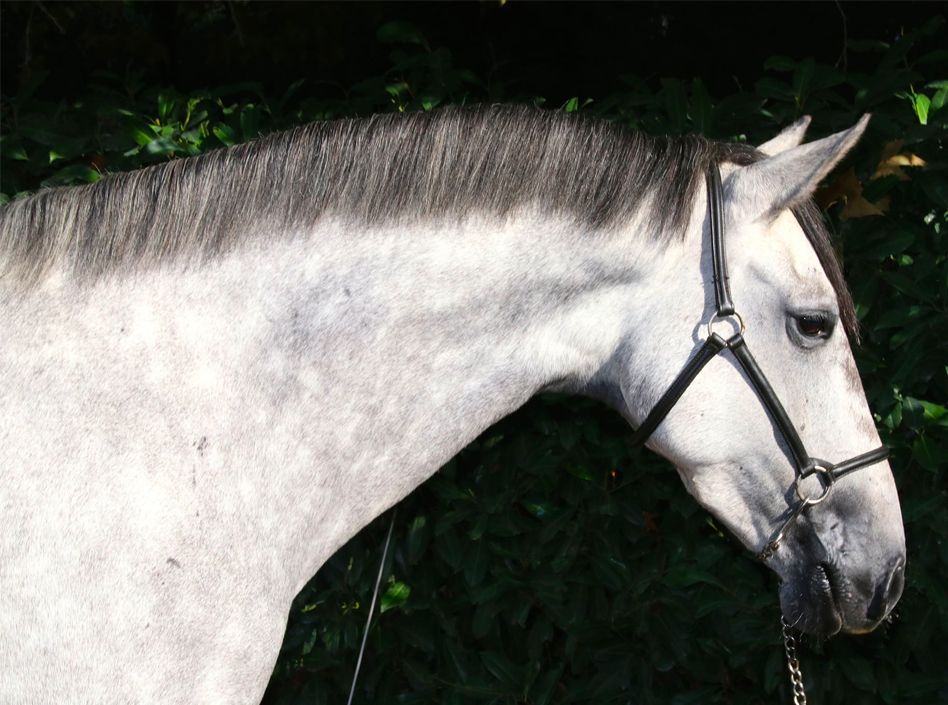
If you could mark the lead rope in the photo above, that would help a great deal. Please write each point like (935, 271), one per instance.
(368, 619)
(793, 663)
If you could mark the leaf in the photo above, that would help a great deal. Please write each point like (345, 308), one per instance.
(541, 692)
(483, 619)
(921, 412)
(400, 33)
(686, 576)
(927, 453)
(140, 136)
(775, 89)
(780, 63)
(580, 471)
(848, 189)
(938, 100)
(430, 102)
(396, 90)
(916, 509)
(921, 104)
(48, 134)
(456, 657)
(540, 633)
(12, 148)
(867, 45)
(448, 548)
(893, 244)
(477, 562)
(70, 175)
(490, 592)
(913, 411)
(675, 102)
(897, 318)
(609, 573)
(225, 133)
(859, 672)
(166, 104)
(935, 187)
(395, 596)
(164, 145)
(539, 509)
(892, 161)
(802, 78)
(289, 93)
(418, 535)
(701, 109)
(250, 121)
(502, 668)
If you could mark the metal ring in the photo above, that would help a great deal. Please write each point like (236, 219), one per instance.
(816, 469)
(719, 317)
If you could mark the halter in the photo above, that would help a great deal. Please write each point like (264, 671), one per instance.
(804, 464)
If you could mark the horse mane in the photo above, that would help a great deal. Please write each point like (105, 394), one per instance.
(447, 163)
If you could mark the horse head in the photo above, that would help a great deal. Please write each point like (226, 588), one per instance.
(834, 536)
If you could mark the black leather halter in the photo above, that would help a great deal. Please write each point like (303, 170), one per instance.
(805, 464)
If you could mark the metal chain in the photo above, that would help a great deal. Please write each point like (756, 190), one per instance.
(793, 664)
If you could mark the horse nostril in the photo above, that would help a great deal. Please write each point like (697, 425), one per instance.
(888, 592)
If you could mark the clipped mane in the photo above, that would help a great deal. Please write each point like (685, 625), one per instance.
(443, 164)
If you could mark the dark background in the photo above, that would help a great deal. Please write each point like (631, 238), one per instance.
(551, 49)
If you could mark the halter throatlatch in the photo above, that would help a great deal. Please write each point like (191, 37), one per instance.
(805, 465)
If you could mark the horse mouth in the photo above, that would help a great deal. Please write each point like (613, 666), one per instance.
(814, 605)
(827, 583)
(825, 604)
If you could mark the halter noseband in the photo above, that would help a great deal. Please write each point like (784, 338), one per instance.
(804, 464)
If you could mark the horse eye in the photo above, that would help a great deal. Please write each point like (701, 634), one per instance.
(814, 325)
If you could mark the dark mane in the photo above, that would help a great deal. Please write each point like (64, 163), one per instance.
(403, 167)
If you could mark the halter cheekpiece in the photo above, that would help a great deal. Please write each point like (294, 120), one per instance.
(805, 465)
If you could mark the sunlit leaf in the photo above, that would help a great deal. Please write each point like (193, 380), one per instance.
(395, 596)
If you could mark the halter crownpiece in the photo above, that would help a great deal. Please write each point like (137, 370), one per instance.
(804, 464)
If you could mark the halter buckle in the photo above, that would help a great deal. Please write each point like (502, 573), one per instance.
(732, 317)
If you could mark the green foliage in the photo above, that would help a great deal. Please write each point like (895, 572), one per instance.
(549, 562)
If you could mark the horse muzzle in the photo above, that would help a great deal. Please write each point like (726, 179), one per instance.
(821, 599)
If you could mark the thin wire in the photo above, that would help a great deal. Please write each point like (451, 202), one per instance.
(368, 619)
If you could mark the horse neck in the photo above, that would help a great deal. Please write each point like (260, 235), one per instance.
(399, 345)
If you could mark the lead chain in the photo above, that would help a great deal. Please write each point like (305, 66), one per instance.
(793, 664)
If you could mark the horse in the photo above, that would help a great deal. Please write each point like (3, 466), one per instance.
(216, 370)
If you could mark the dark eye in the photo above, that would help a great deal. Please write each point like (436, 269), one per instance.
(814, 325)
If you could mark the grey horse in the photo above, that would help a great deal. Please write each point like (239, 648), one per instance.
(215, 371)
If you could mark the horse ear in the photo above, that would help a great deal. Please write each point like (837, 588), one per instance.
(763, 189)
(789, 137)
